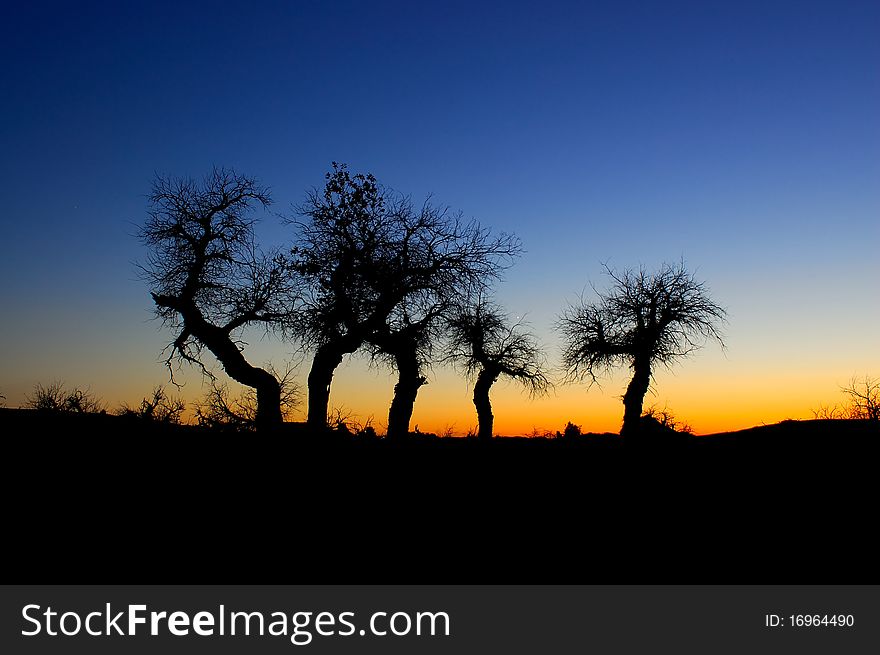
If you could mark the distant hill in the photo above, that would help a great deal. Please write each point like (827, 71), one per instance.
(814, 428)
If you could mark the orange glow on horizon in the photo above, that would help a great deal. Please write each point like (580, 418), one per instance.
(711, 395)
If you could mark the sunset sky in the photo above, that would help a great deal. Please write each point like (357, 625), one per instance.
(740, 136)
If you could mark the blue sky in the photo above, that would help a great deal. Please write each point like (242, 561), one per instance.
(740, 136)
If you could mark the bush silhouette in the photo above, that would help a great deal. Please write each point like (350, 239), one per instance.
(158, 406)
(571, 431)
(862, 401)
(220, 409)
(664, 419)
(56, 398)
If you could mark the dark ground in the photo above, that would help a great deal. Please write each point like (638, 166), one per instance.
(99, 499)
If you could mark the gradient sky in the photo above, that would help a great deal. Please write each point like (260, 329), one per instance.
(741, 136)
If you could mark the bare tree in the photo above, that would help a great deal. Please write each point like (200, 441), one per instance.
(341, 243)
(488, 345)
(380, 270)
(209, 280)
(441, 259)
(644, 320)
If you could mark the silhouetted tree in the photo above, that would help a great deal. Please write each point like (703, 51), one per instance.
(443, 259)
(341, 245)
(210, 281)
(644, 320)
(488, 345)
(370, 258)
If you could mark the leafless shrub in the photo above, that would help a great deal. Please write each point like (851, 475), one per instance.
(829, 412)
(159, 406)
(666, 419)
(219, 409)
(864, 398)
(862, 401)
(56, 398)
(346, 421)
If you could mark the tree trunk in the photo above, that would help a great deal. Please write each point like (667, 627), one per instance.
(485, 380)
(268, 401)
(266, 385)
(327, 358)
(221, 345)
(635, 396)
(409, 380)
